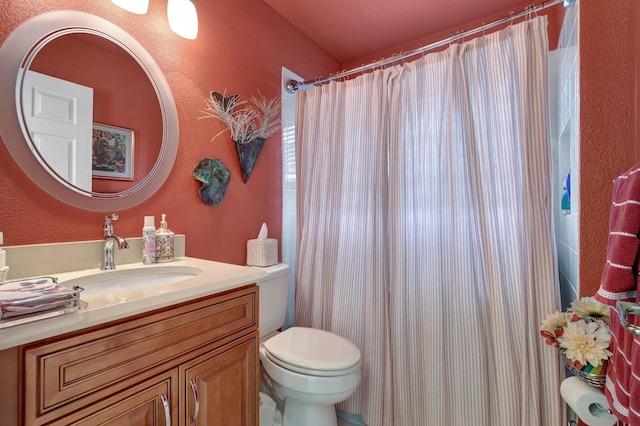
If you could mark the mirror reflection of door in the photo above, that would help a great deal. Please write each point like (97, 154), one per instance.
(59, 116)
(123, 95)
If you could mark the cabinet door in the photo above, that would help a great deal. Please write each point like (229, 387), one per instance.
(221, 388)
(152, 403)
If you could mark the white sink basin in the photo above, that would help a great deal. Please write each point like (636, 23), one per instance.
(134, 283)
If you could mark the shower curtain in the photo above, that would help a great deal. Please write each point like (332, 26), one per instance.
(425, 232)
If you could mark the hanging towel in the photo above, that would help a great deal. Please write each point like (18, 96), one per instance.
(619, 282)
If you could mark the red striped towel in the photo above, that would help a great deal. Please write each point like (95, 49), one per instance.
(619, 282)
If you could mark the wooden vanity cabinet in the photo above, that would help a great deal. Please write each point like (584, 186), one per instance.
(195, 357)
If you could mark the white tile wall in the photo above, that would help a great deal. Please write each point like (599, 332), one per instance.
(289, 187)
(565, 137)
(564, 121)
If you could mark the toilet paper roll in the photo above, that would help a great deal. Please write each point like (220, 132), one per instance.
(588, 402)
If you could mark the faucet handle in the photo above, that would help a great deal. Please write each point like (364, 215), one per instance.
(108, 224)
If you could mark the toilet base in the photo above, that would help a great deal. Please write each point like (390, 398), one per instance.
(298, 413)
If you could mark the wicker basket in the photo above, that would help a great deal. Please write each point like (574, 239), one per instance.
(595, 376)
(262, 252)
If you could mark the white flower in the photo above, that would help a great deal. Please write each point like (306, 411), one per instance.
(553, 321)
(586, 342)
(589, 307)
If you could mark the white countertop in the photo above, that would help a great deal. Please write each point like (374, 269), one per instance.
(104, 307)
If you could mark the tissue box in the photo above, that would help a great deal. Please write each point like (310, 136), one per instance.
(262, 252)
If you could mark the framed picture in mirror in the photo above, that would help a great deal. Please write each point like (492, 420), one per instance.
(112, 152)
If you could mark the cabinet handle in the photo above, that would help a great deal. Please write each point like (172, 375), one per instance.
(194, 388)
(167, 410)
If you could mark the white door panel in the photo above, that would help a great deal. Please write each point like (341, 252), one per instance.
(59, 116)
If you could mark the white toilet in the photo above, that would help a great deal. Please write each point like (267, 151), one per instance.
(310, 369)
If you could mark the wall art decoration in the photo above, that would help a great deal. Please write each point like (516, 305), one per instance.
(249, 126)
(214, 177)
(112, 152)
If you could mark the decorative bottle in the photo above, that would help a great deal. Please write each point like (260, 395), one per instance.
(164, 242)
(149, 240)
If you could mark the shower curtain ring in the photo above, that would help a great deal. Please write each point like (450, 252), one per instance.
(529, 12)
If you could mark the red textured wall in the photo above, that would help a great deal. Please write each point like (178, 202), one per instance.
(241, 47)
(607, 122)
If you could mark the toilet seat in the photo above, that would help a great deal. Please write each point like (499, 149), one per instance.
(313, 352)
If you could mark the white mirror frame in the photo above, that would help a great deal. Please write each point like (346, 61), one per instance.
(15, 57)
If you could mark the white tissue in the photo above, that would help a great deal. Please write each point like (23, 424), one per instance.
(263, 232)
(588, 402)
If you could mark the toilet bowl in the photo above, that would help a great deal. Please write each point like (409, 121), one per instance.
(309, 369)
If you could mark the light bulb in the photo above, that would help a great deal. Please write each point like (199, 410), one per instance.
(183, 18)
(135, 6)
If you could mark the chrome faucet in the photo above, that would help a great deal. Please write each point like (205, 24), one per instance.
(108, 239)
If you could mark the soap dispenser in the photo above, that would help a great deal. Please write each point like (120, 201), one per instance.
(164, 242)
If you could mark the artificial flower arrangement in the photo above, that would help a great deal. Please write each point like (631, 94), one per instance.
(259, 120)
(249, 126)
(582, 335)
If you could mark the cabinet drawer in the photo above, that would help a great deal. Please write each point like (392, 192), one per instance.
(73, 372)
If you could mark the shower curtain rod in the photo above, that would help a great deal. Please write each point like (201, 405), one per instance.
(293, 85)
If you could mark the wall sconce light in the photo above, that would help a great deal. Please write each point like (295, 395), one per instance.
(135, 6)
(183, 18)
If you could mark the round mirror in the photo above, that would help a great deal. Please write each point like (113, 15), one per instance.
(94, 122)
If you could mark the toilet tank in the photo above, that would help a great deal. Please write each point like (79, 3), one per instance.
(273, 298)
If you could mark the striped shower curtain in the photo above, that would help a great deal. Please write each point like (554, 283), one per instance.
(425, 232)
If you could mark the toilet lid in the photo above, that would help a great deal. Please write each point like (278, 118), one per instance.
(313, 349)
